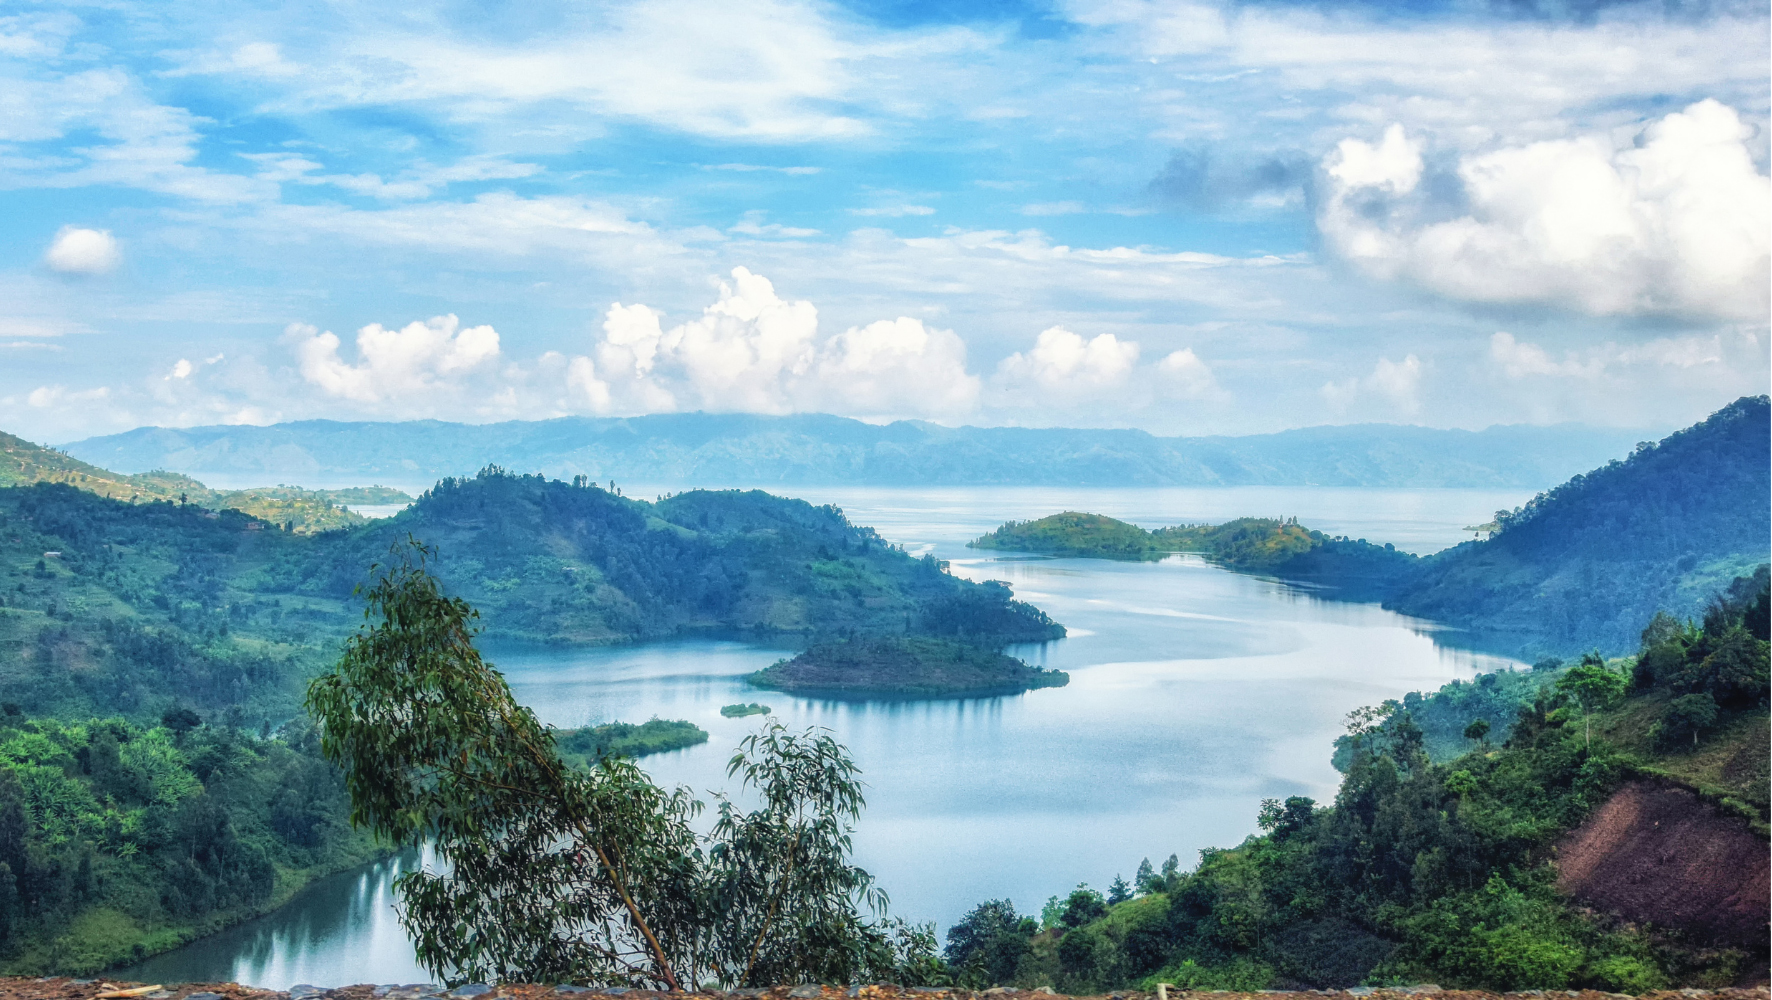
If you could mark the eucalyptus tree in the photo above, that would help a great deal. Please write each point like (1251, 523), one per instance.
(563, 874)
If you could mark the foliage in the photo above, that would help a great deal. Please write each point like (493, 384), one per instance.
(118, 839)
(989, 943)
(23, 463)
(1092, 536)
(905, 666)
(147, 599)
(1428, 867)
(1590, 561)
(560, 874)
(625, 739)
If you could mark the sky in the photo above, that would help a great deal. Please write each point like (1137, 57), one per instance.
(1187, 217)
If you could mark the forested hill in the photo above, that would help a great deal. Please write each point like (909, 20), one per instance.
(729, 449)
(112, 607)
(553, 561)
(1587, 563)
(23, 463)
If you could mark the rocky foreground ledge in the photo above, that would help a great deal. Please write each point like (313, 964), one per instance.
(61, 988)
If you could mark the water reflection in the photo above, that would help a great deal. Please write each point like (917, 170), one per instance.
(338, 931)
(1194, 694)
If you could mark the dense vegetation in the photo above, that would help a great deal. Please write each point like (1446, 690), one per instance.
(905, 666)
(1580, 566)
(141, 604)
(1353, 569)
(119, 839)
(718, 448)
(585, 747)
(1091, 536)
(1439, 871)
(560, 874)
(295, 509)
(1588, 562)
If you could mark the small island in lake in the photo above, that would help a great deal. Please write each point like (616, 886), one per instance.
(584, 747)
(1072, 533)
(742, 711)
(905, 666)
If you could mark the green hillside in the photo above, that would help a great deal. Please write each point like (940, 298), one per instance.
(147, 603)
(23, 463)
(1588, 562)
(1476, 866)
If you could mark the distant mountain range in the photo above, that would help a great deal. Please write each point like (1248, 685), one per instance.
(705, 449)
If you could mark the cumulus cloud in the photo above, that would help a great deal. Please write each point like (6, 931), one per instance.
(753, 351)
(83, 251)
(391, 364)
(1392, 389)
(896, 367)
(1063, 373)
(1060, 359)
(1672, 224)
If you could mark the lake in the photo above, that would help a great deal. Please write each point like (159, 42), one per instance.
(1195, 693)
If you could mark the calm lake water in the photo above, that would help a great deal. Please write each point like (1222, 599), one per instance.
(1194, 694)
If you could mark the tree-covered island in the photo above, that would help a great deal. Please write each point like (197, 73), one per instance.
(906, 667)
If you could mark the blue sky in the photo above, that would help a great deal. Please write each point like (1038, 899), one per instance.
(1187, 217)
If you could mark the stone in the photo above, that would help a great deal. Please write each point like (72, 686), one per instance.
(806, 990)
(997, 991)
(1360, 991)
(614, 991)
(203, 996)
(569, 988)
(929, 989)
(1049, 991)
(300, 990)
(471, 990)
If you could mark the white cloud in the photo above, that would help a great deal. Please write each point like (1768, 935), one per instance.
(893, 368)
(893, 211)
(392, 364)
(753, 225)
(83, 251)
(182, 369)
(1054, 208)
(1061, 359)
(1181, 374)
(1394, 386)
(759, 69)
(417, 181)
(1675, 224)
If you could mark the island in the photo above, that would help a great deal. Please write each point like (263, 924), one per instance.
(743, 711)
(905, 666)
(1072, 533)
(584, 747)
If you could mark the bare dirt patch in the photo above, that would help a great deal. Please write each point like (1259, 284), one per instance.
(1656, 852)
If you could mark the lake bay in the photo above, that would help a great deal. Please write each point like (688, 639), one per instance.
(1194, 694)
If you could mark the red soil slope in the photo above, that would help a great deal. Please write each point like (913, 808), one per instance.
(1656, 852)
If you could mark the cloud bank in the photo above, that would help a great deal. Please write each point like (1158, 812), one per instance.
(1669, 222)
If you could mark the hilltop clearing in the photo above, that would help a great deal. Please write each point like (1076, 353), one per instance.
(728, 448)
(23, 463)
